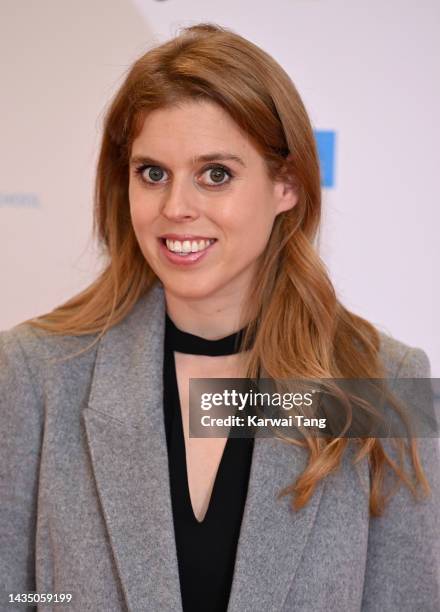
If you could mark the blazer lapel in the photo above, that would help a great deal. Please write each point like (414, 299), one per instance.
(272, 536)
(126, 437)
(127, 443)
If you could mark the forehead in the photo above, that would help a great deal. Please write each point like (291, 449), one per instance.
(189, 129)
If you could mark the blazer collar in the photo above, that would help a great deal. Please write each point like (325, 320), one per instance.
(126, 437)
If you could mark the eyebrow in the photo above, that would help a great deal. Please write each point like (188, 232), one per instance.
(216, 155)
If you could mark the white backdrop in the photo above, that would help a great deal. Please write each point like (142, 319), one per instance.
(368, 70)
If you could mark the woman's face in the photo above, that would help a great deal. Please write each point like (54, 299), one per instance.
(226, 196)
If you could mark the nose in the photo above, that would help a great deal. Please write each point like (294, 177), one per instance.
(179, 201)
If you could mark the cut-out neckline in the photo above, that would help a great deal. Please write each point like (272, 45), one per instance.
(184, 342)
(184, 463)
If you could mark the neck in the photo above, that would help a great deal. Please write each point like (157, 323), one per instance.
(209, 318)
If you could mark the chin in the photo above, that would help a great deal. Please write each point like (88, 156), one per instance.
(195, 290)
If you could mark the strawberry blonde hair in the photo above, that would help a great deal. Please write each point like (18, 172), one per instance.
(298, 326)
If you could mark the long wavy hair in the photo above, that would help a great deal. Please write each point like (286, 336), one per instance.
(299, 328)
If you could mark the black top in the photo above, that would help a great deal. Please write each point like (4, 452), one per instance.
(205, 550)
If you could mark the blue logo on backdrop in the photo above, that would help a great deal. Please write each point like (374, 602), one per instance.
(325, 141)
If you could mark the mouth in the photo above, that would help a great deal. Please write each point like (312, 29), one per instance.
(187, 247)
(185, 253)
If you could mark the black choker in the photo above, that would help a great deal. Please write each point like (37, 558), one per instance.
(184, 342)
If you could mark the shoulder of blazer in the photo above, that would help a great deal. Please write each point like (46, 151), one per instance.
(25, 347)
(402, 360)
(28, 348)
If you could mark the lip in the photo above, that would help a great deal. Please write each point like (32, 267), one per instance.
(188, 260)
(182, 237)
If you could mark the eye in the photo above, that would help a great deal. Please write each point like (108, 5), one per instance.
(153, 174)
(216, 172)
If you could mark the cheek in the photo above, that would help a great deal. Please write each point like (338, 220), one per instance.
(140, 212)
(251, 217)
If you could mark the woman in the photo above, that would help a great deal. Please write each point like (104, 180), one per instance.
(206, 148)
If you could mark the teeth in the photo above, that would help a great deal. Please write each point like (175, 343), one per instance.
(187, 246)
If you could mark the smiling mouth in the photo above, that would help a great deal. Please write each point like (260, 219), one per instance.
(190, 248)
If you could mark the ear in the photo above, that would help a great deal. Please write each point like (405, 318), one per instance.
(286, 191)
(286, 196)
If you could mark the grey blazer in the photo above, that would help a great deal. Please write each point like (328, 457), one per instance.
(85, 498)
